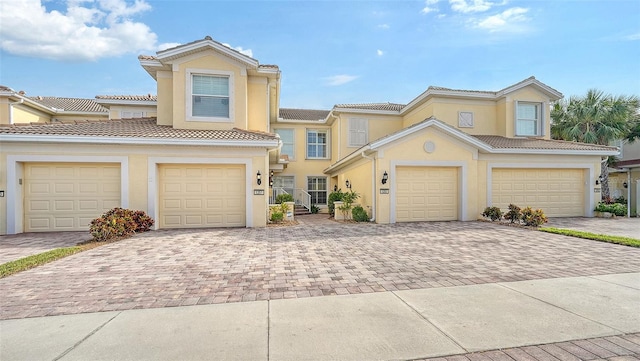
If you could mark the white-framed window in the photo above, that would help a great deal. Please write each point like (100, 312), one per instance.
(358, 132)
(465, 119)
(529, 119)
(285, 182)
(317, 144)
(209, 95)
(317, 188)
(287, 136)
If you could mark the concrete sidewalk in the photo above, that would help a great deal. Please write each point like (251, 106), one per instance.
(408, 324)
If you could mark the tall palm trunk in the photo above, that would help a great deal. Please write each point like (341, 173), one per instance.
(604, 173)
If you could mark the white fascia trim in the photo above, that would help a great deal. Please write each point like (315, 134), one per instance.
(462, 183)
(127, 102)
(552, 93)
(153, 190)
(14, 192)
(268, 71)
(140, 141)
(319, 121)
(366, 111)
(450, 93)
(180, 50)
(589, 199)
(552, 151)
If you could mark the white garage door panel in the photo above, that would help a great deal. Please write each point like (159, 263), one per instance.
(197, 195)
(426, 194)
(68, 196)
(558, 192)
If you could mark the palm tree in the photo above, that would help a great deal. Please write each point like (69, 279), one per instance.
(595, 118)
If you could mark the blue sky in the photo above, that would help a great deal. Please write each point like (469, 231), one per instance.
(328, 51)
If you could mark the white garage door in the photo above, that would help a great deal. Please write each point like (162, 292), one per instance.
(426, 194)
(558, 192)
(67, 196)
(197, 196)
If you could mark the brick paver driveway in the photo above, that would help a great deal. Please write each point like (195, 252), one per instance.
(187, 267)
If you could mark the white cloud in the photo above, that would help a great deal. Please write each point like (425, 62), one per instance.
(339, 79)
(247, 52)
(380, 52)
(384, 26)
(470, 6)
(165, 46)
(87, 30)
(509, 20)
(430, 6)
(633, 37)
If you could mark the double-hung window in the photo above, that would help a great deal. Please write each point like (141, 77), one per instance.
(317, 188)
(317, 143)
(529, 119)
(209, 95)
(288, 143)
(358, 132)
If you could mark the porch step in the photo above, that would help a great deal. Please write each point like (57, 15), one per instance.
(300, 210)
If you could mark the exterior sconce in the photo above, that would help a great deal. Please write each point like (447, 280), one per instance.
(599, 180)
(348, 184)
(385, 177)
(335, 188)
(625, 185)
(259, 178)
(271, 179)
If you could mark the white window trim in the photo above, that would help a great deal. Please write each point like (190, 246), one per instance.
(188, 105)
(306, 143)
(541, 120)
(366, 132)
(327, 183)
(292, 156)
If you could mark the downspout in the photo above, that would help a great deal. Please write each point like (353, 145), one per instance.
(373, 186)
(629, 193)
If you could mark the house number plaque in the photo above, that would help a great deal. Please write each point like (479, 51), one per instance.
(384, 190)
(258, 192)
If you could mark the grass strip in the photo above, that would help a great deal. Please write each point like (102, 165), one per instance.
(22, 264)
(627, 241)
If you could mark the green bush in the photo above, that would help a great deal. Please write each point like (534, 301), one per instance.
(616, 208)
(315, 209)
(533, 218)
(359, 214)
(334, 197)
(347, 202)
(119, 223)
(514, 214)
(278, 212)
(493, 213)
(621, 200)
(284, 197)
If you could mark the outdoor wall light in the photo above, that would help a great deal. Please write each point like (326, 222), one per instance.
(385, 177)
(599, 180)
(271, 179)
(348, 184)
(335, 188)
(624, 184)
(259, 178)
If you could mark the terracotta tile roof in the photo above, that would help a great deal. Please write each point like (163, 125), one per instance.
(71, 104)
(499, 142)
(4, 88)
(272, 66)
(462, 90)
(130, 128)
(146, 57)
(373, 106)
(147, 97)
(631, 163)
(303, 114)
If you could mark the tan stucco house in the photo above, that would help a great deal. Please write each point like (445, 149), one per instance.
(214, 146)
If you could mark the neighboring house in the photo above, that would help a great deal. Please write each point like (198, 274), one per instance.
(18, 108)
(220, 145)
(624, 179)
(129, 106)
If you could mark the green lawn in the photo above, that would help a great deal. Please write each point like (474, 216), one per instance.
(35, 260)
(627, 241)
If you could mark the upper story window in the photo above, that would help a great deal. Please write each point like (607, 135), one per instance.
(287, 137)
(358, 132)
(529, 119)
(317, 189)
(210, 95)
(317, 144)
